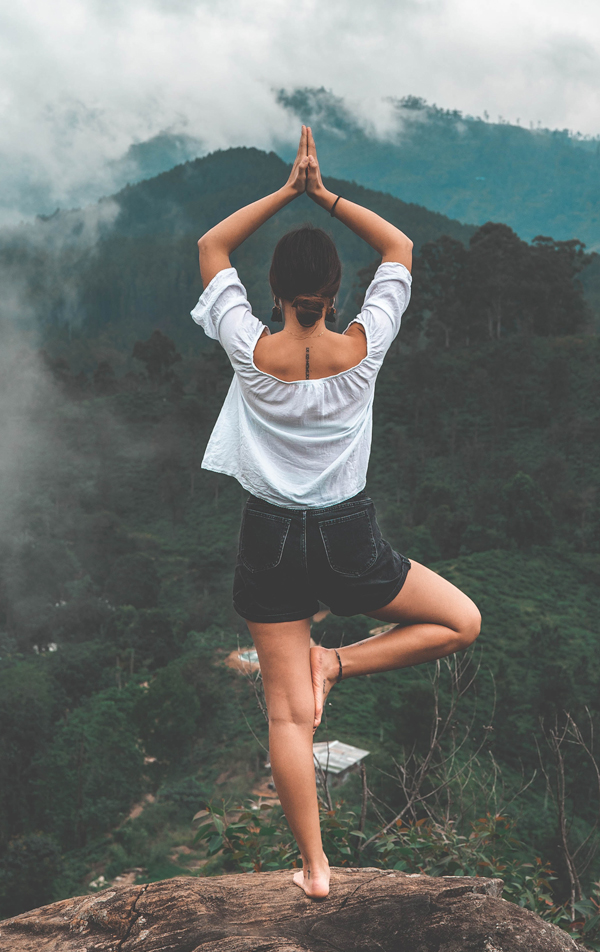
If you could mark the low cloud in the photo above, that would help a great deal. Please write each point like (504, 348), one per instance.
(82, 81)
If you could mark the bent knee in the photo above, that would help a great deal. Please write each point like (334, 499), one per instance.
(470, 627)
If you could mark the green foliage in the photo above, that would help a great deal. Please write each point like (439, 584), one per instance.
(167, 714)
(79, 670)
(256, 838)
(489, 847)
(29, 868)
(497, 286)
(28, 709)
(158, 354)
(528, 520)
(133, 581)
(256, 841)
(137, 289)
(92, 770)
(147, 842)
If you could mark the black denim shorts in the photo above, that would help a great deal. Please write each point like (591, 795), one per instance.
(289, 560)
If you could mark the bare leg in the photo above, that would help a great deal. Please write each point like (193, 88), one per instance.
(284, 655)
(434, 618)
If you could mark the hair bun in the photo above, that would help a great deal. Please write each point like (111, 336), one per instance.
(309, 308)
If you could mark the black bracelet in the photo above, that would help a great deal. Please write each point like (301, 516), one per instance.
(334, 204)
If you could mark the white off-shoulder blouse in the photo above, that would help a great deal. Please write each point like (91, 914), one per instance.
(299, 444)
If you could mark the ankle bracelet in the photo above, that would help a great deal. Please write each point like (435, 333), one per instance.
(339, 677)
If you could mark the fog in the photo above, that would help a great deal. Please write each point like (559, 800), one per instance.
(82, 81)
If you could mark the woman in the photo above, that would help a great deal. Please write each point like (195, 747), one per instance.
(295, 430)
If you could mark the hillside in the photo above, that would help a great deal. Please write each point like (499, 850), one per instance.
(129, 264)
(474, 169)
(538, 181)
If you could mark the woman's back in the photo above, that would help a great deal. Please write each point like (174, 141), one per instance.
(310, 358)
(291, 439)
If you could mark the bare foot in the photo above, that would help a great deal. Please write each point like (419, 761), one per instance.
(313, 880)
(324, 668)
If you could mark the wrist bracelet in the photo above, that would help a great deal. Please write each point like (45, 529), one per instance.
(333, 206)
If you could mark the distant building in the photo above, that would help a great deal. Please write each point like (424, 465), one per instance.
(243, 659)
(246, 659)
(334, 758)
(337, 760)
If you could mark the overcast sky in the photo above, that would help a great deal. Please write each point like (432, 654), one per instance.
(80, 80)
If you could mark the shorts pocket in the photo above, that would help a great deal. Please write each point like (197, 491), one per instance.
(262, 539)
(350, 543)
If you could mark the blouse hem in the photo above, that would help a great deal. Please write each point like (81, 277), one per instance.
(284, 504)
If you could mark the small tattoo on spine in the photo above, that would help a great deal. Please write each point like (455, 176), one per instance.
(307, 363)
(308, 873)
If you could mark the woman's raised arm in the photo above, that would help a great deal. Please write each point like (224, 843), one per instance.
(217, 244)
(391, 243)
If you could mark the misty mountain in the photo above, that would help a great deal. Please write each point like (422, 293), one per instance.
(28, 189)
(159, 154)
(538, 181)
(129, 264)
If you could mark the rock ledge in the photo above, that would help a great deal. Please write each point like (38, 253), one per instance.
(367, 909)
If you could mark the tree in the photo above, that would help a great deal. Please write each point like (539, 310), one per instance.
(496, 267)
(104, 379)
(133, 581)
(159, 355)
(149, 639)
(555, 297)
(28, 870)
(528, 517)
(29, 708)
(92, 772)
(439, 276)
(167, 714)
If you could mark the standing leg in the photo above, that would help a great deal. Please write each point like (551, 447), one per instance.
(434, 618)
(284, 655)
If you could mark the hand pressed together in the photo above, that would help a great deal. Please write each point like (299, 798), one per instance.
(306, 174)
(216, 245)
(297, 179)
(314, 182)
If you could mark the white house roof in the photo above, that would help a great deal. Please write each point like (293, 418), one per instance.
(334, 756)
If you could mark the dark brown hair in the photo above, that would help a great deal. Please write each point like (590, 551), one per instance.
(306, 270)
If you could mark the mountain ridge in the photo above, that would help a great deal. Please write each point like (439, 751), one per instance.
(538, 181)
(93, 268)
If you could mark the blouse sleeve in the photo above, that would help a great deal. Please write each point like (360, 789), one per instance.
(223, 312)
(385, 302)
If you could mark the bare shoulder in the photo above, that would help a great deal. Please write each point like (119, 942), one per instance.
(329, 354)
(355, 338)
(271, 354)
(355, 331)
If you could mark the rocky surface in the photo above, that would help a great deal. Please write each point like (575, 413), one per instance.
(366, 910)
